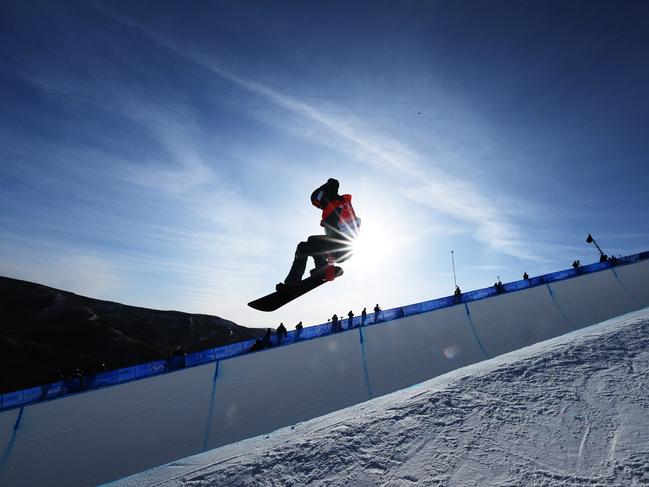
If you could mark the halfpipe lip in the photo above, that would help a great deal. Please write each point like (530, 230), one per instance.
(57, 390)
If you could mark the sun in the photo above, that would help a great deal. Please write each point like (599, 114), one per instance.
(379, 241)
(370, 246)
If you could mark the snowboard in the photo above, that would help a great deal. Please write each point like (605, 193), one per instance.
(276, 300)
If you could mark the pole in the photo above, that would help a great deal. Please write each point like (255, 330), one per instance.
(453, 260)
(590, 239)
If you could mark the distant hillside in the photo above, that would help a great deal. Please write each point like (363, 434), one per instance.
(45, 330)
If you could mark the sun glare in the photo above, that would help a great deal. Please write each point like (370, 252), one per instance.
(370, 246)
(377, 244)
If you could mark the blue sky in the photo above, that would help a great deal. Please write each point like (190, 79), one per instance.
(162, 154)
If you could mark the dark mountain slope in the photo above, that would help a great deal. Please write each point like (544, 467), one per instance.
(45, 330)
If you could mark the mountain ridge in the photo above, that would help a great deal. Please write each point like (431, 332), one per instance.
(47, 333)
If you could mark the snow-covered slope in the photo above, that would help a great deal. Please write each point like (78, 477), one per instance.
(573, 410)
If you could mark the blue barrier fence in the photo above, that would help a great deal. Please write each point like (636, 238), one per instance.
(71, 386)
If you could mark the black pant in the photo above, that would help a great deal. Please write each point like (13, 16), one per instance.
(319, 247)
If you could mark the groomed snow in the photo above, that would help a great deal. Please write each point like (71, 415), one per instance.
(573, 410)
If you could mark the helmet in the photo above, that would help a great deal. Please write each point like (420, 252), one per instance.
(325, 193)
(332, 186)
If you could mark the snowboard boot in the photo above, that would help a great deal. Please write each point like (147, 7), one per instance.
(286, 286)
(327, 272)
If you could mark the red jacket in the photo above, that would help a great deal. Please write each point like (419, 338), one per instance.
(339, 215)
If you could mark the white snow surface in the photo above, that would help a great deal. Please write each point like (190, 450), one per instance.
(573, 410)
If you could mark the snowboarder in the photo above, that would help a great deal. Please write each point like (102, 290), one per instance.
(341, 226)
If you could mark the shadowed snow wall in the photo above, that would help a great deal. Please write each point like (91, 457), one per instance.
(105, 434)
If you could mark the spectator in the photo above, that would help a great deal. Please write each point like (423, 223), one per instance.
(177, 358)
(258, 345)
(335, 324)
(265, 342)
(377, 313)
(499, 286)
(457, 294)
(77, 380)
(363, 316)
(281, 333)
(350, 321)
(45, 388)
(298, 330)
(525, 276)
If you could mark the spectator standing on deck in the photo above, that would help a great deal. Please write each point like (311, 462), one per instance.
(377, 313)
(281, 333)
(335, 325)
(298, 330)
(350, 321)
(457, 294)
(265, 342)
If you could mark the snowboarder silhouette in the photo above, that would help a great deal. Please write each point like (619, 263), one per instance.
(340, 224)
(341, 227)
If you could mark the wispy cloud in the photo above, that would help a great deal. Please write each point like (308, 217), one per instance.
(179, 169)
(419, 179)
(169, 214)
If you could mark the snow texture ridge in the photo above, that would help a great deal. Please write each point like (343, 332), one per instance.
(570, 411)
